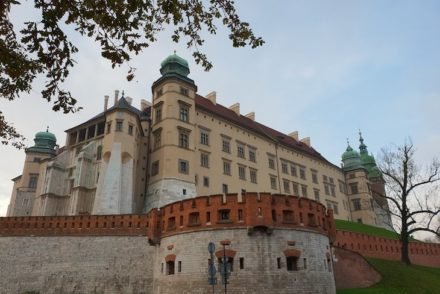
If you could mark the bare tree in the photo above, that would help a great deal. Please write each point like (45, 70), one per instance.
(412, 193)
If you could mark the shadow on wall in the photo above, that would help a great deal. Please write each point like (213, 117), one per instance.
(352, 270)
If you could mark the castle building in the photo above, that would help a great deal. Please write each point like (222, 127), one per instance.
(129, 160)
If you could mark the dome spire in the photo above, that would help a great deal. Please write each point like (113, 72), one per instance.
(362, 146)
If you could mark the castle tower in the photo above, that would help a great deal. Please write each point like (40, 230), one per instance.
(359, 190)
(26, 185)
(172, 178)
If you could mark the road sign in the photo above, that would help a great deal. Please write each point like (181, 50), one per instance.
(211, 247)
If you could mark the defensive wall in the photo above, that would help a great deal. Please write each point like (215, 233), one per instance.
(420, 253)
(280, 243)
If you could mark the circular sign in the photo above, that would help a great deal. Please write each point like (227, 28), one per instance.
(211, 247)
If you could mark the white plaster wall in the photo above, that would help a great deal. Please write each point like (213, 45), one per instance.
(168, 191)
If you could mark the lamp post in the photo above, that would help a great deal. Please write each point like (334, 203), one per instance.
(224, 272)
(212, 280)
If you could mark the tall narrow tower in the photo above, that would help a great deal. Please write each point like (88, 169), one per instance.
(172, 177)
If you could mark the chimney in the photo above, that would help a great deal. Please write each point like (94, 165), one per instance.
(306, 141)
(294, 135)
(106, 97)
(129, 100)
(116, 96)
(235, 108)
(212, 97)
(251, 115)
(144, 104)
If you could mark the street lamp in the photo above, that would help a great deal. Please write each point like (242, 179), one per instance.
(224, 269)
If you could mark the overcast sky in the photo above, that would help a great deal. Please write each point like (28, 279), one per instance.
(328, 69)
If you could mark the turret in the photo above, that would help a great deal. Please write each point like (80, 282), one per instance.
(45, 142)
(351, 159)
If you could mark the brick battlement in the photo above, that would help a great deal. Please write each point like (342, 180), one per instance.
(420, 253)
(254, 211)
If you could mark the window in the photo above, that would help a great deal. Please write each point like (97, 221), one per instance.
(293, 171)
(206, 181)
(302, 173)
(155, 168)
(278, 262)
(109, 127)
(194, 219)
(184, 91)
(226, 146)
(332, 191)
(183, 139)
(292, 263)
(223, 214)
(225, 189)
(354, 188)
(170, 267)
(356, 204)
(286, 184)
(157, 138)
(273, 182)
(119, 125)
(253, 175)
(37, 159)
(241, 262)
(324, 178)
(33, 178)
(316, 193)
(284, 168)
(184, 113)
(242, 172)
(204, 159)
(229, 264)
(271, 162)
(158, 114)
(130, 129)
(333, 205)
(158, 93)
(204, 137)
(240, 150)
(304, 190)
(341, 187)
(183, 166)
(99, 152)
(179, 266)
(252, 154)
(295, 189)
(288, 216)
(331, 180)
(227, 168)
(240, 214)
(315, 177)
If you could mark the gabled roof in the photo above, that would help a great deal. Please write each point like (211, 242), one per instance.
(249, 124)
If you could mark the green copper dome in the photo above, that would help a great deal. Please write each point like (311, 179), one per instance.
(351, 159)
(368, 160)
(45, 142)
(174, 64)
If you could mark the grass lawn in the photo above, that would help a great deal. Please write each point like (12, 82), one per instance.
(401, 279)
(365, 229)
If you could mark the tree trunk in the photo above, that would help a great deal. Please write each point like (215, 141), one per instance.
(404, 257)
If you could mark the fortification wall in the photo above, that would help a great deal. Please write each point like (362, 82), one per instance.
(420, 253)
(102, 264)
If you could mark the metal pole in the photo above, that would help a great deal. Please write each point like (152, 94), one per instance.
(225, 269)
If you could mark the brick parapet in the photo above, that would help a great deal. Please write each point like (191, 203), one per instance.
(371, 246)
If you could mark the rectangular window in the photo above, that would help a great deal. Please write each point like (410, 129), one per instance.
(295, 189)
(241, 263)
(158, 93)
(335, 208)
(184, 91)
(119, 126)
(242, 172)
(240, 150)
(354, 188)
(223, 214)
(226, 146)
(315, 177)
(293, 171)
(356, 204)
(253, 175)
(273, 182)
(302, 173)
(183, 139)
(33, 179)
(286, 184)
(292, 263)
(109, 127)
(157, 139)
(183, 166)
(227, 168)
(184, 113)
(155, 168)
(278, 262)
(204, 159)
(179, 267)
(326, 189)
(206, 181)
(130, 129)
(158, 114)
(316, 192)
(204, 137)
(284, 168)
(225, 189)
(304, 190)
(332, 191)
(271, 162)
(252, 155)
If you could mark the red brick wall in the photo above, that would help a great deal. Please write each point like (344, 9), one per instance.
(420, 253)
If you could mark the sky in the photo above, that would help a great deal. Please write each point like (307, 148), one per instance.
(327, 69)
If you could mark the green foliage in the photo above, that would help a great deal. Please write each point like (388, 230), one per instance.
(399, 278)
(365, 229)
(123, 28)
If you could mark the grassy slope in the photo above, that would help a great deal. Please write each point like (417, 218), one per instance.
(366, 229)
(401, 279)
